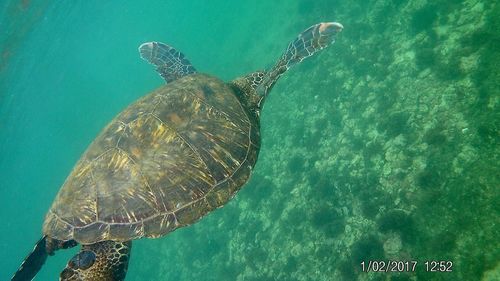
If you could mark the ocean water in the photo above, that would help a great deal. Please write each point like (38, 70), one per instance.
(383, 147)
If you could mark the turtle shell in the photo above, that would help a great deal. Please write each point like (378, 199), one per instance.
(164, 162)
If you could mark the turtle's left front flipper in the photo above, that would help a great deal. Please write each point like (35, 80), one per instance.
(101, 261)
(170, 63)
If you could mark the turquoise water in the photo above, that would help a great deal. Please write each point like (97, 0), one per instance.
(382, 147)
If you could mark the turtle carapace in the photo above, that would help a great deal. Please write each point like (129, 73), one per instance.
(164, 162)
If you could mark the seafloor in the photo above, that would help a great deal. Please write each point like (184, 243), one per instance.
(386, 148)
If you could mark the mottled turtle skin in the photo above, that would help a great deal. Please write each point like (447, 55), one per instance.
(166, 160)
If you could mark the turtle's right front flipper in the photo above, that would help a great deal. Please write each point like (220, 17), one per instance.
(306, 44)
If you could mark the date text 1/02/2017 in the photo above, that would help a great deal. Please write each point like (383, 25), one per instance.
(406, 266)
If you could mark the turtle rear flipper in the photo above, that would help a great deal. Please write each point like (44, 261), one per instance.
(170, 63)
(101, 261)
(307, 43)
(33, 262)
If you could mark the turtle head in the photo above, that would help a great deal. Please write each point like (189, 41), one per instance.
(101, 261)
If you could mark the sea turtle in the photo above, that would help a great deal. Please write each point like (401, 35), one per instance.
(164, 162)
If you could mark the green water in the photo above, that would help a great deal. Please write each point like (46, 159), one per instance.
(385, 146)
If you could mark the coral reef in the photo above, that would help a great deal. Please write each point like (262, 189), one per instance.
(383, 147)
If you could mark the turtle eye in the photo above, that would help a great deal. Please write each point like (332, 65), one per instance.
(82, 260)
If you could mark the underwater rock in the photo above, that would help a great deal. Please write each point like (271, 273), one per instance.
(400, 222)
(392, 246)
